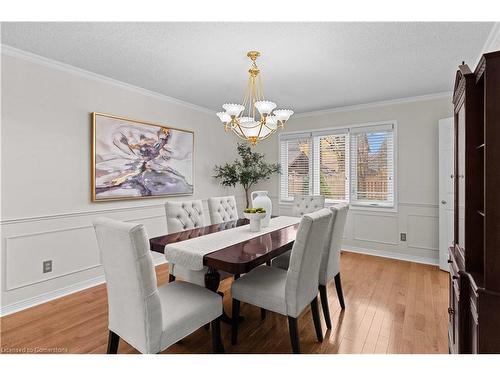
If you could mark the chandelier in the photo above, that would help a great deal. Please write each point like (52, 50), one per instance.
(245, 124)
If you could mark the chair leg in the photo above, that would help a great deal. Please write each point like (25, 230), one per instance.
(262, 314)
(113, 341)
(338, 286)
(324, 304)
(217, 346)
(294, 335)
(316, 319)
(235, 321)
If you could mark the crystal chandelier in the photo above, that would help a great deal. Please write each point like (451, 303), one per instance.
(245, 124)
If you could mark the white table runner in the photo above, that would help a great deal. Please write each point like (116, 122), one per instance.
(190, 253)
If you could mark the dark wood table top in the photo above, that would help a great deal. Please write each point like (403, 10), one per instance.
(239, 258)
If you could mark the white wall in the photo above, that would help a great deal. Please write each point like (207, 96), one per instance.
(378, 232)
(46, 207)
(493, 41)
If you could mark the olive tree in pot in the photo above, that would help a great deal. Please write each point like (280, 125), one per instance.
(247, 171)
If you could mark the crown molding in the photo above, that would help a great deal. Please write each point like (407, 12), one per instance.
(37, 59)
(419, 98)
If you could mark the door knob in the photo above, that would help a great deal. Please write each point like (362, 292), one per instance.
(443, 202)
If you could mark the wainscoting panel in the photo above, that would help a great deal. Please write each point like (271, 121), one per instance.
(424, 231)
(68, 240)
(71, 249)
(381, 229)
(377, 232)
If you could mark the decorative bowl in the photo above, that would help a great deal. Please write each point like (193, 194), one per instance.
(255, 220)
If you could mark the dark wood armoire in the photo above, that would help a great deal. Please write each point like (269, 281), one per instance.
(474, 311)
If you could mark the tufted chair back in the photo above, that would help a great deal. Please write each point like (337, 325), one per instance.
(184, 215)
(222, 209)
(305, 204)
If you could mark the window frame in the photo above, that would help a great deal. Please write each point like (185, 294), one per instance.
(355, 205)
(325, 133)
(286, 137)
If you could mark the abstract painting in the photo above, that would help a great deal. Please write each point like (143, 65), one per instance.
(136, 159)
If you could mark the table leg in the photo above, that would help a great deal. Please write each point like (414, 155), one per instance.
(212, 281)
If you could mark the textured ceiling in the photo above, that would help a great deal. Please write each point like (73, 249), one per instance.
(305, 66)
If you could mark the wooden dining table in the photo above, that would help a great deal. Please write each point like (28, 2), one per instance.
(236, 259)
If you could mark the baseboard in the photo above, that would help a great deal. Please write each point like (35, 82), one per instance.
(392, 255)
(49, 296)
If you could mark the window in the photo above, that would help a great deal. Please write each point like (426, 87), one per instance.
(330, 169)
(295, 165)
(372, 166)
(354, 165)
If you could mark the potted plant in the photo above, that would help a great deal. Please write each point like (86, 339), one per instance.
(255, 215)
(247, 171)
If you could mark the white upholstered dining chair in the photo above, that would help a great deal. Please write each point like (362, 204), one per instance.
(288, 292)
(330, 261)
(222, 209)
(305, 204)
(183, 215)
(147, 317)
(302, 204)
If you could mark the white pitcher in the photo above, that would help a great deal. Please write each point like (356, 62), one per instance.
(261, 199)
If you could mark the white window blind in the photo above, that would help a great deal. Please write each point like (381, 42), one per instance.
(354, 164)
(372, 165)
(331, 167)
(295, 155)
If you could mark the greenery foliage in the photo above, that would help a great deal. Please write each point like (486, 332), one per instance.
(324, 188)
(249, 169)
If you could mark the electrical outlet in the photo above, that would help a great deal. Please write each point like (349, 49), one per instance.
(47, 266)
(403, 236)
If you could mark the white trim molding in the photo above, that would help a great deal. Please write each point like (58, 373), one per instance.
(392, 255)
(66, 215)
(382, 103)
(25, 55)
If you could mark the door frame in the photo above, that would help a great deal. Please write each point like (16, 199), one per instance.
(445, 203)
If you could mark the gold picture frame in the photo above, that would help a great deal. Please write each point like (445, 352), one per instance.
(114, 185)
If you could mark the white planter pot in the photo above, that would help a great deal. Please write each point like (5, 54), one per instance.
(261, 199)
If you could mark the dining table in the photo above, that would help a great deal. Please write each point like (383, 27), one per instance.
(234, 250)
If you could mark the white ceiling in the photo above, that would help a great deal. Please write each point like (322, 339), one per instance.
(305, 66)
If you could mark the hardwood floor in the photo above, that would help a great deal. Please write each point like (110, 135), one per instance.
(391, 307)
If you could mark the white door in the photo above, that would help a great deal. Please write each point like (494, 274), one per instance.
(446, 189)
